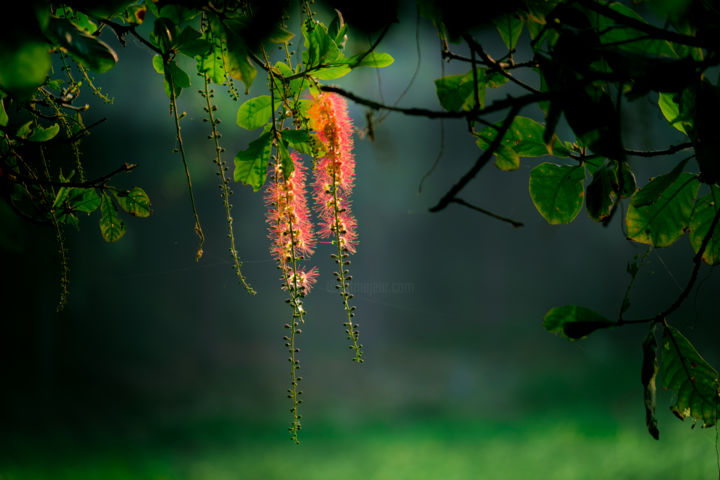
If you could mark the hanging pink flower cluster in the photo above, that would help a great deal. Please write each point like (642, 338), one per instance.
(335, 172)
(289, 225)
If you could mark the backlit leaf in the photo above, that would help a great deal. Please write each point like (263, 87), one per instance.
(135, 202)
(251, 165)
(86, 49)
(112, 228)
(663, 221)
(509, 27)
(705, 210)
(694, 381)
(557, 191)
(255, 112)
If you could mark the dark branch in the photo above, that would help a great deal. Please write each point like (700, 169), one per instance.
(481, 161)
(498, 105)
(98, 182)
(514, 223)
(122, 30)
(372, 47)
(476, 47)
(651, 30)
(656, 153)
(697, 260)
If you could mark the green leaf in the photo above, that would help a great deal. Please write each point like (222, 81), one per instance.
(3, 114)
(664, 221)
(24, 66)
(25, 130)
(238, 63)
(671, 111)
(191, 43)
(287, 89)
(628, 38)
(648, 376)
(73, 199)
(171, 71)
(338, 30)
(601, 193)
(255, 112)
(178, 13)
(653, 190)
(41, 134)
(112, 228)
(319, 47)
(331, 73)
(706, 207)
(212, 64)
(280, 35)
(509, 27)
(251, 165)
(629, 183)
(86, 49)
(372, 59)
(574, 322)
(456, 92)
(557, 191)
(135, 202)
(286, 161)
(298, 140)
(691, 377)
(524, 138)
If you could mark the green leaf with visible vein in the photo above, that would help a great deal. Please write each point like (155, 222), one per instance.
(557, 191)
(664, 221)
(86, 49)
(705, 210)
(255, 112)
(509, 27)
(693, 379)
(135, 202)
(112, 227)
(251, 165)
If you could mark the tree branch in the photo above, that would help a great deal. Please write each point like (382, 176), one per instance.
(654, 32)
(496, 106)
(656, 153)
(514, 223)
(126, 167)
(476, 47)
(481, 161)
(697, 260)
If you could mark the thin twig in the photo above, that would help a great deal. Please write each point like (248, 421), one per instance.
(498, 105)
(476, 47)
(481, 161)
(98, 182)
(652, 31)
(697, 260)
(514, 223)
(656, 153)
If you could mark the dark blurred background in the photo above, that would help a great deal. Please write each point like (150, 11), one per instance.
(161, 367)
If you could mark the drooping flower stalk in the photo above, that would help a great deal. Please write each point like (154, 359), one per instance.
(293, 241)
(334, 181)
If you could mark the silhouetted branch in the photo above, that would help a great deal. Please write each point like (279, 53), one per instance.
(100, 181)
(514, 223)
(481, 161)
